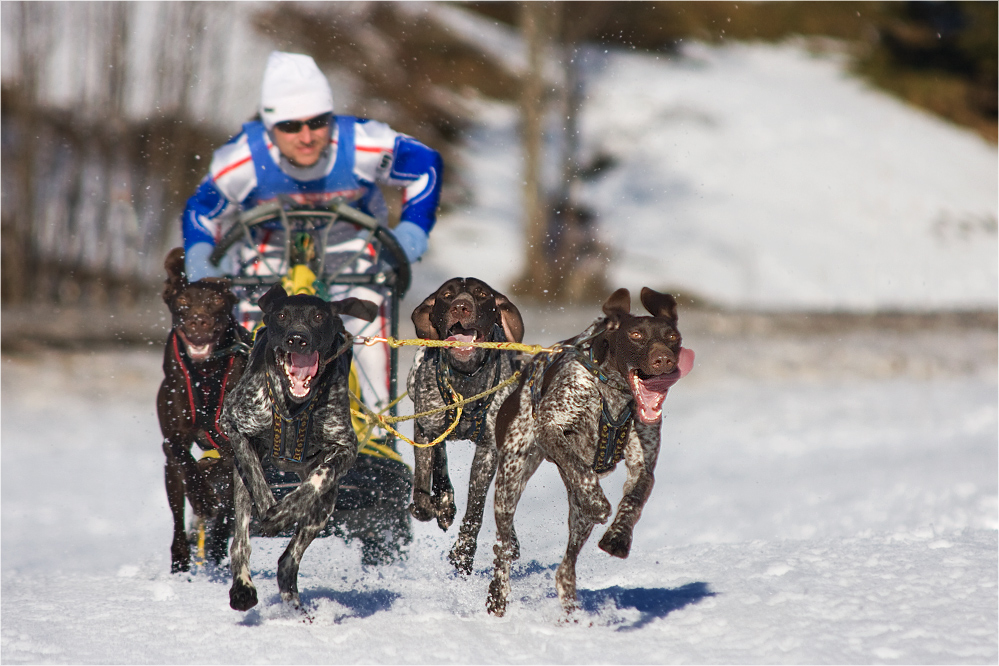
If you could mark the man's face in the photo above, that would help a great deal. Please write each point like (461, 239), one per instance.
(302, 148)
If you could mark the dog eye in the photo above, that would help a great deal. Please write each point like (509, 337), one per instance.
(446, 294)
(281, 316)
(635, 335)
(319, 316)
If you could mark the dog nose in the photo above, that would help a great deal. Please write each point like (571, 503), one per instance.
(460, 308)
(661, 361)
(296, 340)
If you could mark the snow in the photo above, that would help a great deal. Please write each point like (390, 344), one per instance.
(827, 497)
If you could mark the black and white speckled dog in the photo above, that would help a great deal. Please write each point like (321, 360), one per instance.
(585, 409)
(468, 310)
(291, 410)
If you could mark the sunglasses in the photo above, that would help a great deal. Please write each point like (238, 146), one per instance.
(295, 126)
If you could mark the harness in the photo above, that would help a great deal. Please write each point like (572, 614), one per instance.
(612, 434)
(290, 433)
(474, 416)
(211, 385)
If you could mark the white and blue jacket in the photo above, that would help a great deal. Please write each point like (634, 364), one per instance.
(246, 172)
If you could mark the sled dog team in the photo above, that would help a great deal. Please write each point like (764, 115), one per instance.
(282, 399)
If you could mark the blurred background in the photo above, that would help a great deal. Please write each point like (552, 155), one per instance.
(821, 157)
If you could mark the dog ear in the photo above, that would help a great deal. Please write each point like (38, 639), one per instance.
(176, 280)
(616, 306)
(273, 296)
(355, 307)
(659, 305)
(421, 319)
(513, 323)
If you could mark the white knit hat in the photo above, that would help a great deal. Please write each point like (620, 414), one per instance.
(293, 88)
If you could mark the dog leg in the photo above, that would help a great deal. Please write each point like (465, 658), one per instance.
(462, 555)
(580, 526)
(180, 550)
(220, 528)
(242, 594)
(519, 458)
(423, 507)
(558, 442)
(640, 460)
(443, 490)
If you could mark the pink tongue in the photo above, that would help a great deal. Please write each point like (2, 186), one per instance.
(304, 365)
(650, 393)
(460, 337)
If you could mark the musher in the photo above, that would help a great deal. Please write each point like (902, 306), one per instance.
(299, 150)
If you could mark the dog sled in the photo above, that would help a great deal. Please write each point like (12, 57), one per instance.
(334, 251)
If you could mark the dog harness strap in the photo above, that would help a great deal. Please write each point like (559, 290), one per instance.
(292, 432)
(612, 436)
(476, 413)
(207, 383)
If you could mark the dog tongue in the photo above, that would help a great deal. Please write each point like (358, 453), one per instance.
(301, 369)
(462, 353)
(651, 393)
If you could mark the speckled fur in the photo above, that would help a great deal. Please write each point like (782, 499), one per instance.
(482, 308)
(331, 450)
(563, 430)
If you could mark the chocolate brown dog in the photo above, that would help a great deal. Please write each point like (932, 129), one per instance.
(205, 356)
(585, 409)
(466, 310)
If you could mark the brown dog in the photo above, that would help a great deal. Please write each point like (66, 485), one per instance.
(597, 402)
(468, 310)
(205, 356)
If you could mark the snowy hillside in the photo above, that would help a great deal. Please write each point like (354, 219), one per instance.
(753, 176)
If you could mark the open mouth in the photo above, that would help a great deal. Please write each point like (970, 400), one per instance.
(299, 370)
(650, 390)
(197, 353)
(459, 334)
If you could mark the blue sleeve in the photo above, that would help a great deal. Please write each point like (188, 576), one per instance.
(197, 221)
(412, 160)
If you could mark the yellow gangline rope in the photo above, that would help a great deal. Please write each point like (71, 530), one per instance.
(420, 342)
(379, 419)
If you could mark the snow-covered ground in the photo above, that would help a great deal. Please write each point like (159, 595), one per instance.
(801, 514)
(829, 497)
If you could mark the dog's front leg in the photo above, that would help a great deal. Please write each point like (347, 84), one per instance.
(462, 555)
(242, 594)
(433, 494)
(291, 558)
(309, 504)
(640, 459)
(249, 470)
(561, 441)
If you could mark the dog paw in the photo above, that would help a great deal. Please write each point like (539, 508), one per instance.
(496, 601)
(616, 543)
(242, 597)
(462, 556)
(446, 510)
(423, 507)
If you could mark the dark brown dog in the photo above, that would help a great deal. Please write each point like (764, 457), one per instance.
(205, 356)
(467, 310)
(585, 409)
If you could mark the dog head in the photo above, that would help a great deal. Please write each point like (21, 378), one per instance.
(201, 311)
(304, 334)
(468, 310)
(646, 351)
